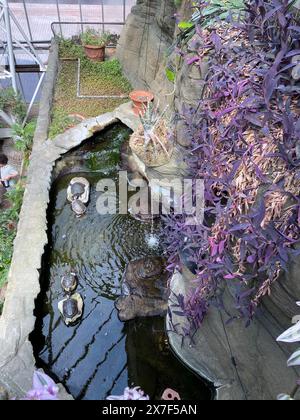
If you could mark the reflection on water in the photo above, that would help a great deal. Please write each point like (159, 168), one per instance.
(101, 355)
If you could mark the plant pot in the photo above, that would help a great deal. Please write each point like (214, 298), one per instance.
(95, 53)
(152, 156)
(76, 119)
(140, 99)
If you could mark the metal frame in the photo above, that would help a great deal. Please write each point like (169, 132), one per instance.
(60, 22)
(30, 46)
(82, 23)
(6, 17)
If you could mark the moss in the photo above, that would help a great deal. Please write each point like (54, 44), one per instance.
(97, 79)
(8, 230)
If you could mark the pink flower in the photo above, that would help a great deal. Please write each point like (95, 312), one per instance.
(44, 388)
(131, 394)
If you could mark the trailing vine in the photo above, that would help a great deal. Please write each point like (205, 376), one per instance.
(245, 146)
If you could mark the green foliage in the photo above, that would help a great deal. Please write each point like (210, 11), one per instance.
(12, 103)
(109, 72)
(177, 3)
(185, 25)
(171, 75)
(23, 138)
(60, 122)
(220, 9)
(95, 38)
(8, 223)
(68, 49)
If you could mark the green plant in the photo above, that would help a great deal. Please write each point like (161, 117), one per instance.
(8, 223)
(150, 122)
(12, 103)
(68, 49)
(23, 138)
(95, 38)
(60, 122)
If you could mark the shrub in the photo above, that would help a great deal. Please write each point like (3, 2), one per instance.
(95, 38)
(245, 134)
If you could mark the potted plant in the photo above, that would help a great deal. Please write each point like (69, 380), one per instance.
(141, 99)
(151, 142)
(94, 43)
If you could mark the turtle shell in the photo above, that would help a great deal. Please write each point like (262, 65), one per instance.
(78, 207)
(69, 282)
(70, 308)
(77, 189)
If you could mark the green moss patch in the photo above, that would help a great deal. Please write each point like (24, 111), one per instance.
(97, 79)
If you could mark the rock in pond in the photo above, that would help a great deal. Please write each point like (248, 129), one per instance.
(144, 290)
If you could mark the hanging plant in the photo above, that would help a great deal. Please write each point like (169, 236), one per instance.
(246, 134)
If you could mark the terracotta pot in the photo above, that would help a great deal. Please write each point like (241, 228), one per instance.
(140, 99)
(77, 118)
(94, 52)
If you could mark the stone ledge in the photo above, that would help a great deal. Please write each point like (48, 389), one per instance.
(17, 361)
(242, 363)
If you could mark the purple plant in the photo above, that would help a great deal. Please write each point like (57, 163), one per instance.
(130, 394)
(246, 147)
(44, 388)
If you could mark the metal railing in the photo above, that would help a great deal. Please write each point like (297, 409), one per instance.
(37, 16)
(26, 36)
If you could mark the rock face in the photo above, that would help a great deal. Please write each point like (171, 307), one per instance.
(242, 363)
(147, 36)
(146, 49)
(145, 291)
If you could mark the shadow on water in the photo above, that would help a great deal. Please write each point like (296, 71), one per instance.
(100, 355)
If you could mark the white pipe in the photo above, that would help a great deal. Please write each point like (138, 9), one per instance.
(11, 58)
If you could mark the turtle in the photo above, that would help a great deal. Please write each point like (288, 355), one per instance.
(77, 190)
(71, 308)
(78, 208)
(69, 282)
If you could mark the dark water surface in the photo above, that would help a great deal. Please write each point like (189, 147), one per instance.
(100, 355)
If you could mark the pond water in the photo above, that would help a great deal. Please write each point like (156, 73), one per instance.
(101, 355)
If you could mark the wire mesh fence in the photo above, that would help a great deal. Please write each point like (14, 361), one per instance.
(37, 16)
(40, 20)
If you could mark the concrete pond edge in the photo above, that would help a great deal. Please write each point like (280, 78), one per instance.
(17, 362)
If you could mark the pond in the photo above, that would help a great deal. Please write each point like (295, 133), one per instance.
(101, 355)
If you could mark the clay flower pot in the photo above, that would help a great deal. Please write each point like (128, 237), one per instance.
(76, 119)
(140, 99)
(95, 53)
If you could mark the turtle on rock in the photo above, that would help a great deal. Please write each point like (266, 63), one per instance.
(71, 308)
(79, 189)
(69, 282)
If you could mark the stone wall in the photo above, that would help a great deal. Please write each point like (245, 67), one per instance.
(17, 362)
(144, 44)
(147, 47)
